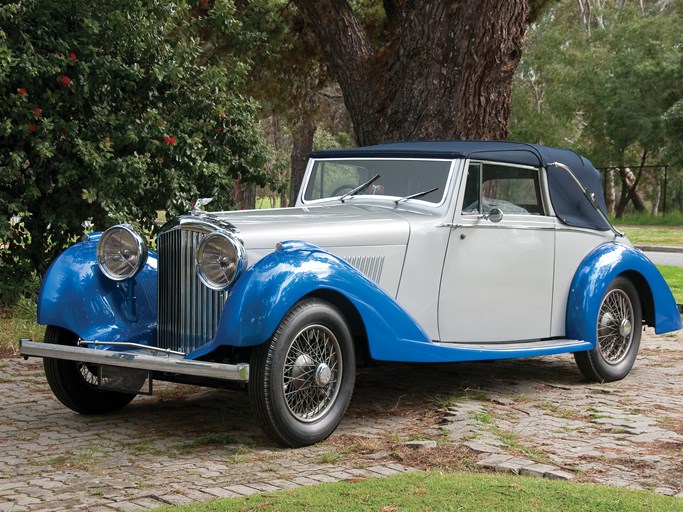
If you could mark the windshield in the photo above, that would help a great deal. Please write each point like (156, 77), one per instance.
(397, 178)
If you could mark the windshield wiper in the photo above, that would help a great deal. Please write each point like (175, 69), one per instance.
(415, 196)
(359, 188)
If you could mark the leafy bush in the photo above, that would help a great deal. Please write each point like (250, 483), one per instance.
(109, 112)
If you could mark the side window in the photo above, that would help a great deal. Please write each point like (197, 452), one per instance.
(470, 203)
(513, 190)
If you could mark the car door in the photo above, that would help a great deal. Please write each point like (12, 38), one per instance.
(497, 278)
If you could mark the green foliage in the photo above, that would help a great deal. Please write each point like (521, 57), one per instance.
(611, 89)
(110, 111)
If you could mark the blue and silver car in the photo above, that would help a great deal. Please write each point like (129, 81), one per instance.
(416, 252)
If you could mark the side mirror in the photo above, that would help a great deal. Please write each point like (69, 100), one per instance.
(495, 215)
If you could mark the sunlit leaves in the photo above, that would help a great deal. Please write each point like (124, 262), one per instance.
(114, 110)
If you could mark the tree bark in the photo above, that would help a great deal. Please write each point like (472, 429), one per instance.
(629, 192)
(302, 145)
(610, 196)
(444, 71)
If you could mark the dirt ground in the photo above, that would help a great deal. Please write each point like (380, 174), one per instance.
(530, 416)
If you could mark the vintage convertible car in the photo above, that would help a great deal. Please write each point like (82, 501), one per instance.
(419, 252)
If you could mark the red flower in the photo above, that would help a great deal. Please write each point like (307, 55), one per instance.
(73, 57)
(66, 81)
(38, 112)
(22, 91)
(32, 127)
(169, 140)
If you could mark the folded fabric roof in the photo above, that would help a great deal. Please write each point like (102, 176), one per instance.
(569, 203)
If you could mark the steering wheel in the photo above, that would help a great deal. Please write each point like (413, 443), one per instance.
(340, 188)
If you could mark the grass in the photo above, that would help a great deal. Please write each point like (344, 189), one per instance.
(644, 229)
(648, 235)
(18, 322)
(674, 278)
(645, 219)
(434, 490)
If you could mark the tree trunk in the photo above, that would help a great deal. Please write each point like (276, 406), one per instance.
(445, 71)
(610, 195)
(628, 191)
(656, 197)
(302, 145)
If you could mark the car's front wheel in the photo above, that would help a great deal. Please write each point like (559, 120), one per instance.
(618, 330)
(302, 379)
(74, 383)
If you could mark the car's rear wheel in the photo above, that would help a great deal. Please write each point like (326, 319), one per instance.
(618, 330)
(75, 384)
(302, 379)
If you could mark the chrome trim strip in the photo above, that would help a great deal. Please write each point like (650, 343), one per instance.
(204, 223)
(233, 372)
(499, 226)
(140, 346)
(506, 346)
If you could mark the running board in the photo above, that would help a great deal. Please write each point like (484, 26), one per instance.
(565, 345)
(440, 352)
(136, 360)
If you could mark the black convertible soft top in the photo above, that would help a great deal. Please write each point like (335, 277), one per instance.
(569, 202)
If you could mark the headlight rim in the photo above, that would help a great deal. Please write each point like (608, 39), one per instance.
(140, 247)
(240, 264)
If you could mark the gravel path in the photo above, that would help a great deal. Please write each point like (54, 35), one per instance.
(185, 444)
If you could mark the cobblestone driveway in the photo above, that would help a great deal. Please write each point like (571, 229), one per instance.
(533, 416)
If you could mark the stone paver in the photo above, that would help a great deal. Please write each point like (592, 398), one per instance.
(534, 417)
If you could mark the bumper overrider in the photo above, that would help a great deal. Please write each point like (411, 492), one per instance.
(136, 359)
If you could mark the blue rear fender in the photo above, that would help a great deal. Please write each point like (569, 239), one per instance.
(76, 296)
(598, 270)
(270, 288)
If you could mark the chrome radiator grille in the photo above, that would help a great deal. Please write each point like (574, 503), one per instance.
(188, 311)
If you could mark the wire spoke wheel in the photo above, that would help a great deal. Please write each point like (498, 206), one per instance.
(302, 379)
(311, 373)
(618, 328)
(615, 326)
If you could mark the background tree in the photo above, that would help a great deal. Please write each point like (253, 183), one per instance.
(111, 111)
(433, 70)
(602, 77)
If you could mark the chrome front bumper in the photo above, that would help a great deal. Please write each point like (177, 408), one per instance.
(137, 360)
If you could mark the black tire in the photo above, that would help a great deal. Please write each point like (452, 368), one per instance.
(302, 379)
(618, 331)
(73, 383)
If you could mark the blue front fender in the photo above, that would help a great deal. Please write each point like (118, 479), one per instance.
(270, 288)
(598, 270)
(76, 295)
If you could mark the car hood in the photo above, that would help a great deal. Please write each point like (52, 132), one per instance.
(326, 226)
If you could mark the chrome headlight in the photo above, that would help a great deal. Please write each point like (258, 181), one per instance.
(220, 260)
(121, 252)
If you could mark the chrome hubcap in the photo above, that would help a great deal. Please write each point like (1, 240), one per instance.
(312, 373)
(615, 326)
(625, 327)
(323, 375)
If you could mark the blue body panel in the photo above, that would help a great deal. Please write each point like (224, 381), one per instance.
(597, 271)
(76, 295)
(271, 287)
